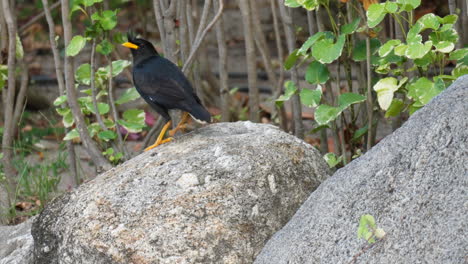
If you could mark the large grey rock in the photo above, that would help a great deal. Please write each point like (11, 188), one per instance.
(414, 182)
(16, 243)
(213, 196)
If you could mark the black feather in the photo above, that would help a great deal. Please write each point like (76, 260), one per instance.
(162, 84)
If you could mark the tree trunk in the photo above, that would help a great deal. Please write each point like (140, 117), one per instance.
(223, 68)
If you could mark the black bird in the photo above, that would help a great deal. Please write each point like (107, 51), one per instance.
(163, 86)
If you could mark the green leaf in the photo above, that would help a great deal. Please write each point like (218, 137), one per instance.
(317, 73)
(429, 21)
(72, 134)
(325, 113)
(107, 135)
(76, 45)
(423, 90)
(359, 50)
(309, 42)
(325, 51)
(118, 66)
(19, 48)
(449, 19)
(426, 60)
(63, 111)
(385, 88)
(331, 159)
(366, 225)
(400, 50)
(359, 133)
(88, 3)
(351, 27)
(60, 100)
(134, 115)
(395, 108)
(408, 5)
(107, 19)
(291, 3)
(103, 108)
(132, 127)
(105, 47)
(418, 50)
(386, 48)
(375, 14)
(309, 5)
(444, 46)
(458, 54)
(290, 89)
(68, 120)
(291, 59)
(391, 7)
(311, 98)
(347, 99)
(460, 70)
(83, 74)
(129, 95)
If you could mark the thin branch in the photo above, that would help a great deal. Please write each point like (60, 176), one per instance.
(199, 40)
(370, 107)
(291, 40)
(61, 86)
(8, 131)
(37, 18)
(159, 21)
(279, 85)
(114, 111)
(93, 86)
(254, 107)
(102, 164)
(223, 69)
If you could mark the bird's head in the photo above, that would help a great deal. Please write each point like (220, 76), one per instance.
(139, 47)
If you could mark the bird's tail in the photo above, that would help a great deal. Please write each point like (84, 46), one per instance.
(200, 114)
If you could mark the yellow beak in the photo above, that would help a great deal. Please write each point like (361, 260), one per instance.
(130, 45)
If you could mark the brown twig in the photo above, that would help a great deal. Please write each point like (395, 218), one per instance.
(37, 18)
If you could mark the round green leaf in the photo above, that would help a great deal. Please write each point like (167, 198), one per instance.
(72, 134)
(325, 113)
(351, 27)
(429, 21)
(309, 42)
(400, 50)
(449, 19)
(129, 95)
(107, 135)
(386, 48)
(60, 100)
(458, 54)
(311, 98)
(317, 73)
(326, 51)
(331, 159)
(68, 120)
(359, 50)
(291, 3)
(105, 47)
(385, 88)
(444, 46)
(418, 50)
(395, 108)
(347, 99)
(375, 14)
(391, 7)
(76, 45)
(291, 59)
(83, 74)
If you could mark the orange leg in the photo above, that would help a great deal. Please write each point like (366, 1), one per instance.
(181, 124)
(160, 140)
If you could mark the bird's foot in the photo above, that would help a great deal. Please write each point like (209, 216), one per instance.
(159, 143)
(172, 132)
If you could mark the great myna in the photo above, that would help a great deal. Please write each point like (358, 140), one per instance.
(163, 86)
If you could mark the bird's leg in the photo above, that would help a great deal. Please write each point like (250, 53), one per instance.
(180, 125)
(160, 140)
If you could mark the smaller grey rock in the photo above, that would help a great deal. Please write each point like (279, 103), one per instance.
(16, 244)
